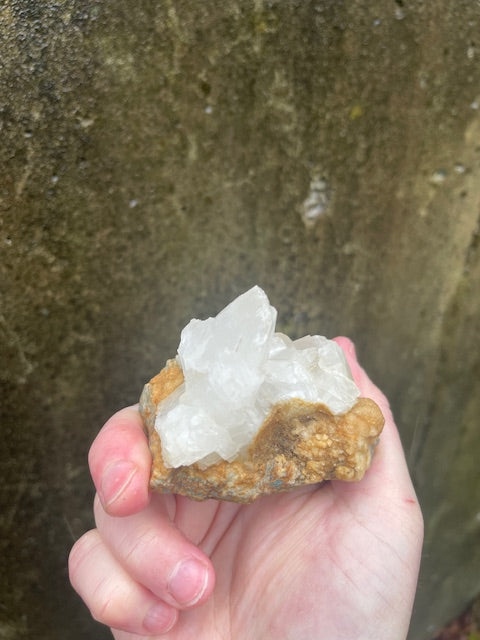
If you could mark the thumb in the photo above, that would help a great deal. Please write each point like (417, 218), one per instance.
(120, 464)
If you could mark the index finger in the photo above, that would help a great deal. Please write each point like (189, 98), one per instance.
(120, 463)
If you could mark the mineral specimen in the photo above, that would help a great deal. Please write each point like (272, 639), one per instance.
(244, 411)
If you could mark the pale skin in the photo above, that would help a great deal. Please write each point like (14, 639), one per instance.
(338, 561)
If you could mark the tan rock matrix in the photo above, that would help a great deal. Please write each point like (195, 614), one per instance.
(299, 443)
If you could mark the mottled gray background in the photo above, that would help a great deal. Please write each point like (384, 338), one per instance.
(159, 157)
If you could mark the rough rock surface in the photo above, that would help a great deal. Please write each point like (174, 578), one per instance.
(299, 443)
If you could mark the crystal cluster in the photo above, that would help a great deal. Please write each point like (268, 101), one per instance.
(235, 369)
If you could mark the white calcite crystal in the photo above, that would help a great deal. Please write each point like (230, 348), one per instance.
(236, 368)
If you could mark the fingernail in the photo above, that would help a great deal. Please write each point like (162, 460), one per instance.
(116, 478)
(188, 582)
(160, 618)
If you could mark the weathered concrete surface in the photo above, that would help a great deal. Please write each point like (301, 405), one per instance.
(157, 159)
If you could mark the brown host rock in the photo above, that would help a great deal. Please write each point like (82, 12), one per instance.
(299, 443)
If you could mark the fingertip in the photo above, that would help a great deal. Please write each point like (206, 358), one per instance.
(160, 618)
(120, 463)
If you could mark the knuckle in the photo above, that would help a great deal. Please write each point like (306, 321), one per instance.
(146, 556)
(109, 605)
(103, 607)
(80, 551)
(143, 546)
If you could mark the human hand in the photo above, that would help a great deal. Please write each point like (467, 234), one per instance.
(337, 561)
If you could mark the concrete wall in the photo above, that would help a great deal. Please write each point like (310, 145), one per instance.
(159, 157)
